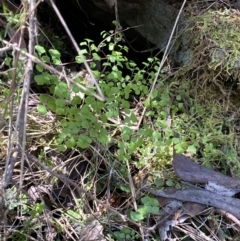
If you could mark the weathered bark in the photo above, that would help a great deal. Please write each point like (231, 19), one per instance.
(204, 197)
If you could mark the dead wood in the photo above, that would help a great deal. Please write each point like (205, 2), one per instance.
(204, 197)
(190, 171)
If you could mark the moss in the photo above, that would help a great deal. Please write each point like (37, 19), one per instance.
(212, 52)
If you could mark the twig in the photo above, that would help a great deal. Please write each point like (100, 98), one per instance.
(229, 216)
(23, 107)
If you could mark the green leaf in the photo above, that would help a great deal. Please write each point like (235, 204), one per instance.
(61, 90)
(60, 111)
(40, 49)
(89, 100)
(76, 100)
(45, 59)
(147, 103)
(80, 59)
(83, 143)
(39, 79)
(136, 216)
(42, 110)
(88, 40)
(51, 105)
(61, 148)
(93, 48)
(149, 201)
(39, 68)
(53, 79)
(8, 61)
(75, 130)
(104, 118)
(159, 182)
(54, 53)
(70, 143)
(111, 46)
(46, 76)
(64, 123)
(178, 97)
(93, 133)
(169, 183)
(74, 215)
(102, 136)
(39, 207)
(144, 210)
(71, 124)
(155, 94)
(63, 135)
(156, 135)
(83, 43)
(76, 89)
(153, 210)
(163, 123)
(119, 235)
(56, 61)
(96, 56)
(175, 140)
(85, 124)
(178, 149)
(108, 39)
(180, 105)
(192, 149)
(60, 102)
(96, 74)
(124, 187)
(44, 98)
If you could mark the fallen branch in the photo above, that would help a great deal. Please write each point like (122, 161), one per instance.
(228, 204)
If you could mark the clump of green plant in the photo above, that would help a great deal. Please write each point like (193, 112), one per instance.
(28, 212)
(126, 234)
(83, 119)
(150, 206)
(174, 113)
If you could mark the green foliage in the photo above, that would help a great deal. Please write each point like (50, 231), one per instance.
(30, 212)
(150, 206)
(126, 234)
(84, 120)
(12, 202)
(173, 119)
(176, 119)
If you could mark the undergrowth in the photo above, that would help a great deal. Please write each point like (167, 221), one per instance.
(119, 147)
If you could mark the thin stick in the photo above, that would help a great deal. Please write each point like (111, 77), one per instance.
(77, 49)
(23, 108)
(229, 216)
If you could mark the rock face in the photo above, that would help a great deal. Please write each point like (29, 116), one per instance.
(153, 19)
